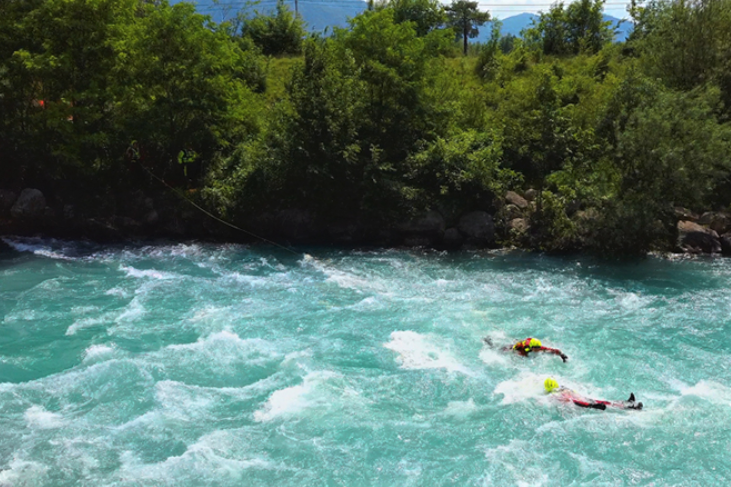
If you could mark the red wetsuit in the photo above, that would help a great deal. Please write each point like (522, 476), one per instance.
(567, 395)
(524, 348)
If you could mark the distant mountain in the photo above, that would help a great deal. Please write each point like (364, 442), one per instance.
(511, 25)
(517, 23)
(326, 14)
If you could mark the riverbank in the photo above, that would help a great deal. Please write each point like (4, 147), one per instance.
(28, 213)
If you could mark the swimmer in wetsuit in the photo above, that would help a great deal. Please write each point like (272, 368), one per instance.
(524, 347)
(567, 395)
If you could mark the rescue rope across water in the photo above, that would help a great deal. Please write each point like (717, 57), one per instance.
(211, 215)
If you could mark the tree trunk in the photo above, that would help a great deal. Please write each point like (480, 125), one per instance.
(465, 41)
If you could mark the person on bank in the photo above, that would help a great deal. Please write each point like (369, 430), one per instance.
(186, 158)
(564, 394)
(529, 345)
(133, 153)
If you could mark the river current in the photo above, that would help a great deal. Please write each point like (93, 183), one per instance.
(192, 364)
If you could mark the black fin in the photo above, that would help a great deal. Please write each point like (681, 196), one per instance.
(487, 341)
(631, 397)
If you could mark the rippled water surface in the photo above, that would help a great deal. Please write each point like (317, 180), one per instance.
(227, 365)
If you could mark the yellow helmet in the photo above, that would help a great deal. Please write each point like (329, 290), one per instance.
(535, 343)
(550, 384)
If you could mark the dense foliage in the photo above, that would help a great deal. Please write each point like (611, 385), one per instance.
(380, 120)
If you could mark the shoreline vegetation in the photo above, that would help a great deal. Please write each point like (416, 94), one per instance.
(392, 132)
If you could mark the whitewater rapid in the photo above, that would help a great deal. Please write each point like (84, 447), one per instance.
(188, 364)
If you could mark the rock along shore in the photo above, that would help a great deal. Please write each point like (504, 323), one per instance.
(28, 213)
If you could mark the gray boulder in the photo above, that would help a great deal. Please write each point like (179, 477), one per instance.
(685, 214)
(452, 238)
(31, 204)
(531, 194)
(726, 243)
(477, 227)
(719, 222)
(431, 223)
(511, 212)
(515, 199)
(695, 238)
(519, 225)
(7, 198)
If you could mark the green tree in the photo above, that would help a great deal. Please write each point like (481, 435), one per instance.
(686, 43)
(183, 82)
(507, 43)
(427, 15)
(465, 18)
(487, 60)
(278, 33)
(578, 28)
(62, 52)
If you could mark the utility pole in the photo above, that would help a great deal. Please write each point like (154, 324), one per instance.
(296, 8)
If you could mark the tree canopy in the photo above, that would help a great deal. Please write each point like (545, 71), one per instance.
(466, 18)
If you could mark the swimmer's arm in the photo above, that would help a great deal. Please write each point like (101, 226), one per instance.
(554, 351)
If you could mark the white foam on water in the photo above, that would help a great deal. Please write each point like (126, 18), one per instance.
(37, 247)
(220, 353)
(525, 386)
(493, 356)
(118, 292)
(630, 300)
(368, 303)
(348, 280)
(184, 402)
(254, 281)
(416, 351)
(148, 273)
(460, 409)
(36, 417)
(214, 458)
(321, 392)
(285, 402)
(517, 463)
(99, 352)
(89, 322)
(82, 310)
(710, 391)
(224, 338)
(132, 312)
(23, 473)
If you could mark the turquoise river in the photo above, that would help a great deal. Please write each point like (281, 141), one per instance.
(196, 364)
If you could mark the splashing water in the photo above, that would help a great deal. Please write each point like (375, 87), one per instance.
(200, 364)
